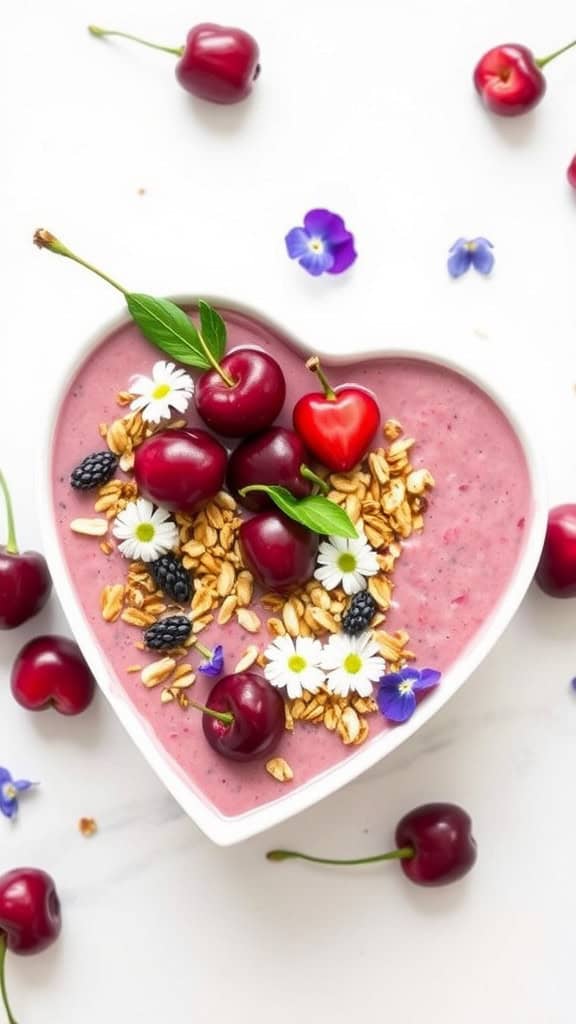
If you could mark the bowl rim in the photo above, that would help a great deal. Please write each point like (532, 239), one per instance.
(222, 829)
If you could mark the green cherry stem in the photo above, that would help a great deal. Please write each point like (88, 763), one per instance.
(313, 364)
(309, 474)
(11, 545)
(543, 61)
(3, 992)
(229, 382)
(46, 240)
(94, 30)
(404, 853)
(222, 716)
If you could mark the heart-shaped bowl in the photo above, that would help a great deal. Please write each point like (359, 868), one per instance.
(231, 802)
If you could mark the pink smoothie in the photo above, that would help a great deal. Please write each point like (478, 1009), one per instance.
(448, 580)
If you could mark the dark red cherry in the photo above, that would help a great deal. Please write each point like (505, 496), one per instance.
(251, 400)
(179, 469)
(280, 553)
(274, 456)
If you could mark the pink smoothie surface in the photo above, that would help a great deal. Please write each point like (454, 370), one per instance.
(448, 580)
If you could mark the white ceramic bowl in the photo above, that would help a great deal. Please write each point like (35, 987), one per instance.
(228, 830)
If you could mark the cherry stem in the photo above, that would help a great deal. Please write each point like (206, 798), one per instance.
(222, 716)
(309, 474)
(404, 853)
(3, 992)
(313, 364)
(101, 32)
(45, 240)
(229, 382)
(543, 61)
(11, 545)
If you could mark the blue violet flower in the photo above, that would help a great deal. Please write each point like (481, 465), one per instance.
(215, 663)
(466, 253)
(396, 697)
(323, 245)
(10, 790)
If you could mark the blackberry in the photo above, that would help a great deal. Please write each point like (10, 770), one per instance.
(170, 575)
(359, 613)
(95, 469)
(170, 632)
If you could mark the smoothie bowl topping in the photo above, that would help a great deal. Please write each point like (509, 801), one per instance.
(317, 640)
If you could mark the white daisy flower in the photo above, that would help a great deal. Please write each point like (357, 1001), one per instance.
(167, 389)
(145, 532)
(294, 664)
(347, 562)
(352, 663)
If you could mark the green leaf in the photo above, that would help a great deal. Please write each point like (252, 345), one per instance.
(167, 326)
(318, 514)
(213, 329)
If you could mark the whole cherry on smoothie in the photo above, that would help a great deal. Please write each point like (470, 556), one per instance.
(243, 394)
(179, 469)
(276, 456)
(556, 572)
(25, 582)
(217, 63)
(279, 552)
(509, 79)
(434, 845)
(339, 425)
(30, 919)
(243, 717)
(50, 671)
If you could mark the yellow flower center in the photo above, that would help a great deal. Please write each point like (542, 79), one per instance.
(160, 391)
(10, 791)
(296, 663)
(346, 562)
(144, 532)
(405, 687)
(352, 664)
(316, 245)
(471, 246)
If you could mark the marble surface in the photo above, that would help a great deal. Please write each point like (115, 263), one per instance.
(368, 110)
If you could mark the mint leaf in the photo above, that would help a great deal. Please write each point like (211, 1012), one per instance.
(317, 514)
(213, 329)
(167, 326)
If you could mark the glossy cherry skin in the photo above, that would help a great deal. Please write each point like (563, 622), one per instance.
(279, 552)
(25, 586)
(219, 63)
(441, 837)
(51, 672)
(508, 80)
(254, 401)
(258, 711)
(571, 172)
(179, 469)
(271, 457)
(338, 432)
(556, 572)
(29, 910)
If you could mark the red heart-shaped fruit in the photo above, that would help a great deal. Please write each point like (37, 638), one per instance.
(51, 672)
(338, 426)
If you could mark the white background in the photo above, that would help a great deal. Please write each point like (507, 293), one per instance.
(366, 108)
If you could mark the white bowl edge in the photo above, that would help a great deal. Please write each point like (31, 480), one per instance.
(221, 829)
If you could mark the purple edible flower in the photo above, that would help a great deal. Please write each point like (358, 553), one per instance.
(215, 663)
(396, 696)
(9, 790)
(323, 245)
(473, 252)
